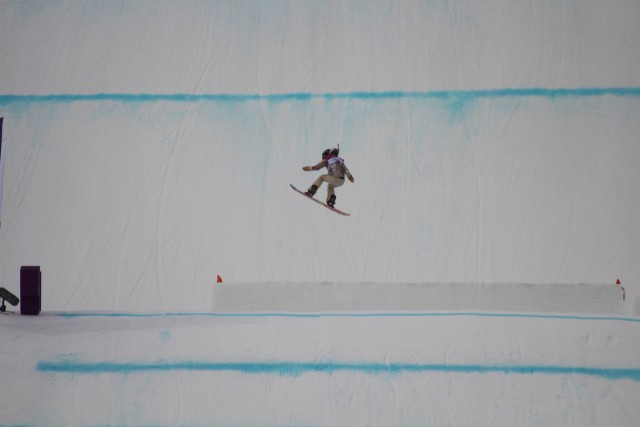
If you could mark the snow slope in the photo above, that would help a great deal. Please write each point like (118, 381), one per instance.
(319, 369)
(149, 147)
(138, 205)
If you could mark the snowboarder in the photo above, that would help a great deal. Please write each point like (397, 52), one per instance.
(337, 170)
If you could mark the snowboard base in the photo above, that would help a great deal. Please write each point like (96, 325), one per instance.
(321, 203)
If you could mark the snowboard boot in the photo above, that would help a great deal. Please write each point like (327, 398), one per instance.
(311, 191)
(332, 200)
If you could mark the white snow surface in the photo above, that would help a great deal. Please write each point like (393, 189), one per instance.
(324, 369)
(367, 297)
(148, 147)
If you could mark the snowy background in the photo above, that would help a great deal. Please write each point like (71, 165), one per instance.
(149, 146)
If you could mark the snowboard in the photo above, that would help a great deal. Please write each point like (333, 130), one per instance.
(319, 202)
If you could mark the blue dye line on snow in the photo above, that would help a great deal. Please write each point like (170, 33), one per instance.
(398, 314)
(299, 368)
(460, 95)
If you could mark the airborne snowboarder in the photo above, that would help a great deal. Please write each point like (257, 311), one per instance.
(336, 171)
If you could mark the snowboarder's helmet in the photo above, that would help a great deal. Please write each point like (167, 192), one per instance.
(330, 151)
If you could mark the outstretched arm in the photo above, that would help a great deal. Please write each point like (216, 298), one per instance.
(314, 168)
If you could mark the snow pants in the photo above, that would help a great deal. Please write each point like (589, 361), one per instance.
(332, 182)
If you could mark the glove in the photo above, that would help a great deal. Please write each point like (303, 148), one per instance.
(307, 168)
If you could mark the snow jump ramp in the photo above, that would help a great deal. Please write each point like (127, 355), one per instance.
(394, 297)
